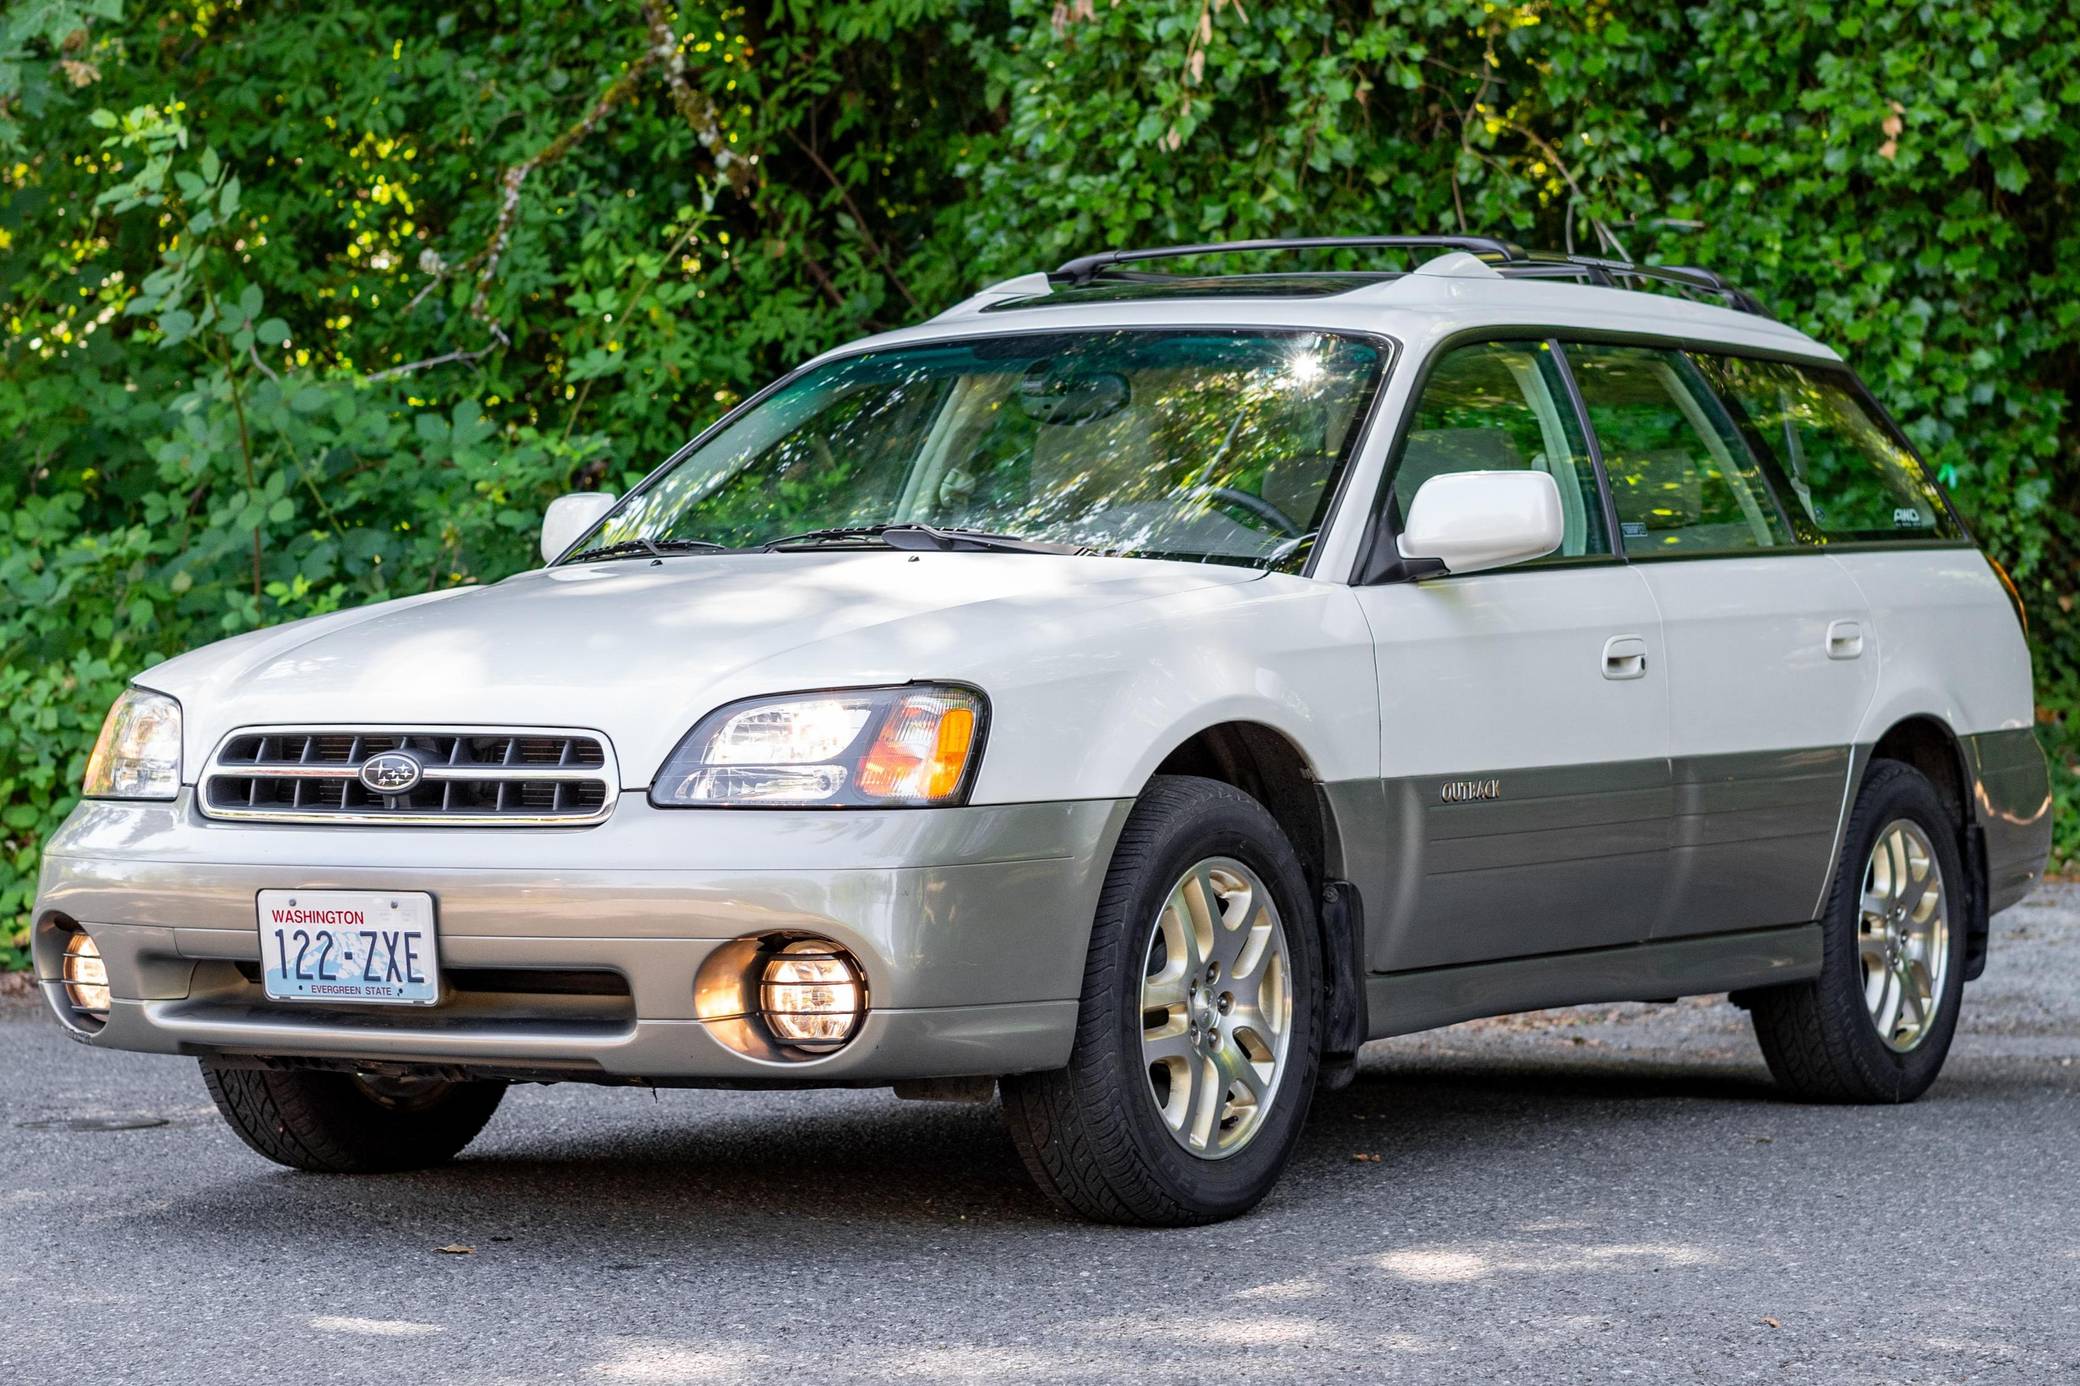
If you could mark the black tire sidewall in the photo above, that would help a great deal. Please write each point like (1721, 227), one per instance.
(326, 1122)
(1223, 824)
(1897, 792)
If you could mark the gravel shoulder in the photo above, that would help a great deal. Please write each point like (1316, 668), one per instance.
(1606, 1193)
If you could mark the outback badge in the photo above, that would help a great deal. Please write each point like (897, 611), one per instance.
(1469, 791)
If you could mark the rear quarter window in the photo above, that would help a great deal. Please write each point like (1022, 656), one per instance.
(1846, 477)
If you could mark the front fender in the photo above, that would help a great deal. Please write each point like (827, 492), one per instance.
(1095, 719)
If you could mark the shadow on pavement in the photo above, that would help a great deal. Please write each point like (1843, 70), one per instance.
(730, 1168)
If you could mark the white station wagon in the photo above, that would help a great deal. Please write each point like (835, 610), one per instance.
(1129, 692)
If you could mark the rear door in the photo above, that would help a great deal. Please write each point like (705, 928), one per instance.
(1770, 647)
(1524, 712)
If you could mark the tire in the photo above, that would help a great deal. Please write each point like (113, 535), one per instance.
(1821, 1038)
(1095, 1135)
(342, 1123)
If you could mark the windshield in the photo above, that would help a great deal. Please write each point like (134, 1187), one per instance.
(1201, 444)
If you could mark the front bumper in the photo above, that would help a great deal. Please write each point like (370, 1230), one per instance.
(971, 925)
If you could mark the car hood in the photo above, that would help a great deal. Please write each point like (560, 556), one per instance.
(639, 650)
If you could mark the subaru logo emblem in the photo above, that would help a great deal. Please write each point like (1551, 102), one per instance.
(392, 772)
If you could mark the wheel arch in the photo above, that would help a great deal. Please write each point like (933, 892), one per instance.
(1271, 768)
(1926, 742)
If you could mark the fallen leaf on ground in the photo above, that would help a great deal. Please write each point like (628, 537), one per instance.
(1362, 1158)
(457, 1249)
(1771, 1322)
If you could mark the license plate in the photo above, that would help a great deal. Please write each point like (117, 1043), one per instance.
(348, 945)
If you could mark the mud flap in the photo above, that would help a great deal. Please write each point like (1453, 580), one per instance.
(1343, 973)
(1978, 924)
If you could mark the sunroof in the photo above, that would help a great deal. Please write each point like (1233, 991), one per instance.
(1119, 288)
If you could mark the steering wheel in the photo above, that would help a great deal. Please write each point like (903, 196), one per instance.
(1256, 505)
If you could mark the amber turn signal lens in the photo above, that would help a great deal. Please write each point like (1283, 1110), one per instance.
(921, 753)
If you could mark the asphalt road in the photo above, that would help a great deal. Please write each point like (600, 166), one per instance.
(1604, 1194)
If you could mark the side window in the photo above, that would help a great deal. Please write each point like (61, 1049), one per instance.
(1848, 476)
(1500, 406)
(1681, 476)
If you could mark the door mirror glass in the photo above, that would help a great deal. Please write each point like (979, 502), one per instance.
(569, 517)
(1469, 521)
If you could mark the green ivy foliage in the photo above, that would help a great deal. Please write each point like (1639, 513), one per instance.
(302, 307)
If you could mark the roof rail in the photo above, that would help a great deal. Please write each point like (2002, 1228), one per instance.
(1084, 268)
(1624, 274)
(1505, 257)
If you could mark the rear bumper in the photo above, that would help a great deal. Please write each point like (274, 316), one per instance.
(971, 925)
(2011, 803)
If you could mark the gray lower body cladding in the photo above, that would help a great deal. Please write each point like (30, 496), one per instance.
(2011, 802)
(1565, 858)
(1403, 1003)
(1571, 884)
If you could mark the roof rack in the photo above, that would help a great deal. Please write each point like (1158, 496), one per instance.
(1085, 268)
(1624, 274)
(1507, 258)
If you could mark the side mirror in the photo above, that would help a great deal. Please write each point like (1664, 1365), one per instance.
(1469, 521)
(570, 516)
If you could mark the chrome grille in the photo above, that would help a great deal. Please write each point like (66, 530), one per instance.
(507, 777)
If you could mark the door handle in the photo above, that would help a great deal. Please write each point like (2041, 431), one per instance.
(1625, 657)
(1844, 639)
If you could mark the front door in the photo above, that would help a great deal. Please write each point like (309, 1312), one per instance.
(1524, 712)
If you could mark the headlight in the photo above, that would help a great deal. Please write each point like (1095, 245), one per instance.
(911, 746)
(139, 753)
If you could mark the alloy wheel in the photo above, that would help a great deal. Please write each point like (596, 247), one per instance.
(1903, 935)
(1216, 1007)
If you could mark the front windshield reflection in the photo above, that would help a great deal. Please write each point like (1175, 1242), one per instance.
(1214, 445)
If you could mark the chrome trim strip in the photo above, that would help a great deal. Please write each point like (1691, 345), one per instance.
(340, 770)
(517, 772)
(608, 773)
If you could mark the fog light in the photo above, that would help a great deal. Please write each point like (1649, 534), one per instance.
(811, 995)
(86, 976)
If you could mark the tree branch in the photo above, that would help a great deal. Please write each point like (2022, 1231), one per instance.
(859, 218)
(695, 105)
(499, 339)
(509, 204)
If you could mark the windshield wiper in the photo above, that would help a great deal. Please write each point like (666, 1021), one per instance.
(915, 536)
(655, 548)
